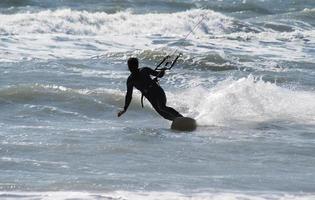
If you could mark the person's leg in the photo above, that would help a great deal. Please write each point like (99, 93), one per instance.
(171, 111)
(162, 112)
(158, 101)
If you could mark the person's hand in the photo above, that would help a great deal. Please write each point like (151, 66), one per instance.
(162, 72)
(163, 69)
(167, 57)
(120, 113)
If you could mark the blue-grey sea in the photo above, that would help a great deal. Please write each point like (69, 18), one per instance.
(247, 75)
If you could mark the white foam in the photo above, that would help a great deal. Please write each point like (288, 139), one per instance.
(66, 33)
(127, 195)
(35, 162)
(73, 22)
(244, 101)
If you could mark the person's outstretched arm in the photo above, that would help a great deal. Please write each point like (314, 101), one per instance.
(127, 98)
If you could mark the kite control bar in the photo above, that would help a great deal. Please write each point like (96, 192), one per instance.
(158, 67)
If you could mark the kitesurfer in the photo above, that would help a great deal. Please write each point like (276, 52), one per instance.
(140, 78)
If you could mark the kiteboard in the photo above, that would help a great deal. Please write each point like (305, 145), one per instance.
(184, 124)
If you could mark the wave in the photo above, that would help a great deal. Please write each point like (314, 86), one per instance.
(97, 5)
(60, 100)
(214, 61)
(74, 22)
(128, 195)
(15, 3)
(31, 161)
(251, 8)
(66, 33)
(246, 100)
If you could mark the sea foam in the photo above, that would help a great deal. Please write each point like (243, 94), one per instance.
(74, 22)
(246, 100)
(152, 196)
(66, 33)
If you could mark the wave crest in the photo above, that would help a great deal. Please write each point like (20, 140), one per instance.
(69, 21)
(55, 93)
(247, 100)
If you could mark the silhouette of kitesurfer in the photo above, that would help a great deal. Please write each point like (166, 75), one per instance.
(140, 78)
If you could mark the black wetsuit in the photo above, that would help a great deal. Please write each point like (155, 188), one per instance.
(151, 90)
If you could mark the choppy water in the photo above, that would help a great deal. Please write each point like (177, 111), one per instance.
(247, 76)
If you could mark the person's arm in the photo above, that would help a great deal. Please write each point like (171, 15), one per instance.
(160, 73)
(127, 98)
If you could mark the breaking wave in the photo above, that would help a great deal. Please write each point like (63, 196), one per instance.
(247, 100)
(66, 33)
(74, 22)
(230, 102)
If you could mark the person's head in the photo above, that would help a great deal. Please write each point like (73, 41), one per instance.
(133, 64)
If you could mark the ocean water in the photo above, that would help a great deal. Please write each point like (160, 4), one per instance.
(247, 75)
